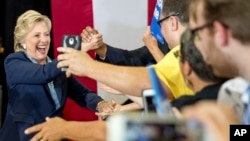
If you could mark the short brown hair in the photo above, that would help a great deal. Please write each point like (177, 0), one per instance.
(234, 14)
(176, 6)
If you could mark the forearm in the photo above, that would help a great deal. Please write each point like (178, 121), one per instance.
(81, 131)
(131, 106)
(128, 80)
(156, 53)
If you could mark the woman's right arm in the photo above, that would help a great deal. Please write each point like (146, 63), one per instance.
(19, 70)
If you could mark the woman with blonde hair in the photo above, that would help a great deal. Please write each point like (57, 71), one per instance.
(36, 87)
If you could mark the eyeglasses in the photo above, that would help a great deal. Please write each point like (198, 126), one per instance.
(195, 30)
(163, 19)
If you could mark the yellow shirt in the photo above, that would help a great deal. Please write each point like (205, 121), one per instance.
(168, 70)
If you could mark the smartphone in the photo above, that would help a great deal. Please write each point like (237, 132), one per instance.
(72, 41)
(148, 101)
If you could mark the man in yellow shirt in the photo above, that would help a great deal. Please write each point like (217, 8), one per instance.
(168, 71)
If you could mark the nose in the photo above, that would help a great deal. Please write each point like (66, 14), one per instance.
(45, 38)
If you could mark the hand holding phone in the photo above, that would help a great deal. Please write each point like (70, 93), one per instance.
(73, 41)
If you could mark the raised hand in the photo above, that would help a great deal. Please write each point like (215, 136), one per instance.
(91, 39)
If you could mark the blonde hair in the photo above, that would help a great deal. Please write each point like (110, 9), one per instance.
(24, 25)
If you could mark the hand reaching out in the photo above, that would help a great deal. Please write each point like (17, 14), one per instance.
(51, 130)
(105, 107)
(115, 108)
(91, 39)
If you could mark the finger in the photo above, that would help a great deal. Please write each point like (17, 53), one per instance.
(85, 39)
(91, 30)
(33, 129)
(65, 49)
(68, 73)
(61, 57)
(63, 63)
(99, 43)
(107, 110)
(101, 114)
(86, 36)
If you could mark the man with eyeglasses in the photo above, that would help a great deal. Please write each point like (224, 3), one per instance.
(129, 80)
(221, 30)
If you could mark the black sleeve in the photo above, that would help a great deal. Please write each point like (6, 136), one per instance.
(182, 101)
(137, 57)
(82, 95)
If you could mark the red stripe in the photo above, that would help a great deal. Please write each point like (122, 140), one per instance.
(151, 7)
(70, 17)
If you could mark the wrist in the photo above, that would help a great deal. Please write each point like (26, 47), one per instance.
(101, 51)
(66, 130)
(98, 106)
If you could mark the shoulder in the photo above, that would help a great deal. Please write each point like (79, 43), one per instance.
(15, 55)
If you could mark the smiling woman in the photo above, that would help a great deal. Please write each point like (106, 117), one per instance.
(37, 88)
(35, 42)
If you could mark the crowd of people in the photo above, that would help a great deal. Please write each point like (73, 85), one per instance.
(208, 43)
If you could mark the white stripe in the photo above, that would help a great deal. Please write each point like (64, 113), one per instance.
(122, 23)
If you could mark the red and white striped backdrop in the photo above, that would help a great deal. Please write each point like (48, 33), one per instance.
(71, 16)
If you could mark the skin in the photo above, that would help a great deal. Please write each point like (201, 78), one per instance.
(152, 45)
(37, 42)
(214, 47)
(92, 40)
(56, 129)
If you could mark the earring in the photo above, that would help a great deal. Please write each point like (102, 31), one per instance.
(24, 46)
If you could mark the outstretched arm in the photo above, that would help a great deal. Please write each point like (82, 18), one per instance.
(55, 129)
(128, 80)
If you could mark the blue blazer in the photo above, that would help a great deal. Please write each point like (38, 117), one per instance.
(29, 98)
(138, 57)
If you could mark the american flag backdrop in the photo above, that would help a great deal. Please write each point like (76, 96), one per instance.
(122, 23)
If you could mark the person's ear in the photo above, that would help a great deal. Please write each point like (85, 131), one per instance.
(174, 23)
(187, 69)
(221, 34)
